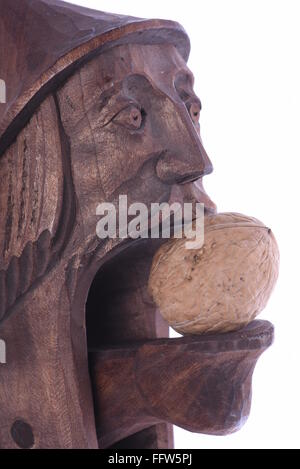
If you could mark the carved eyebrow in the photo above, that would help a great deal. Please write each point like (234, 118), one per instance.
(135, 80)
(183, 78)
(183, 83)
(118, 87)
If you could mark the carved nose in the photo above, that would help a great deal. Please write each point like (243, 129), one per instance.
(185, 159)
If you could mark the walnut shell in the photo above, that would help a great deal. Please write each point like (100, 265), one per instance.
(222, 286)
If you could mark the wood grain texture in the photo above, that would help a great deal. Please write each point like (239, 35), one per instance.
(99, 106)
(45, 40)
(202, 384)
(31, 203)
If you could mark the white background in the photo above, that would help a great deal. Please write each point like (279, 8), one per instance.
(245, 58)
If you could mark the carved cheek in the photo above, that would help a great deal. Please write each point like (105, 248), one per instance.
(121, 155)
(115, 161)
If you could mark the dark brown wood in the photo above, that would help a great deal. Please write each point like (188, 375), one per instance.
(202, 384)
(43, 41)
(158, 436)
(100, 106)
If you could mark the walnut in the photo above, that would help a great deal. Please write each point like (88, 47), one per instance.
(222, 286)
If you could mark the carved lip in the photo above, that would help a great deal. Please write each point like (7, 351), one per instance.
(192, 191)
(210, 376)
(257, 335)
(209, 205)
(201, 383)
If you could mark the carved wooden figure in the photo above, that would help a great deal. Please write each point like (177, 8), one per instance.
(97, 106)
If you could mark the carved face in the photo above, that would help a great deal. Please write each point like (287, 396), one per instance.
(132, 118)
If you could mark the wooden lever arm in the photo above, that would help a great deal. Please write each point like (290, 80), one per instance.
(200, 383)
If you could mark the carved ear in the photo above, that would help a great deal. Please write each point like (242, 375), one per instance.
(32, 202)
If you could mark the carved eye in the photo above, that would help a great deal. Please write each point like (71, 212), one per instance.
(131, 117)
(194, 111)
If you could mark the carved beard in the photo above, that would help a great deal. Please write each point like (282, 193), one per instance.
(37, 203)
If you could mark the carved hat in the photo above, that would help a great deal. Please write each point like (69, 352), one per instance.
(43, 40)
